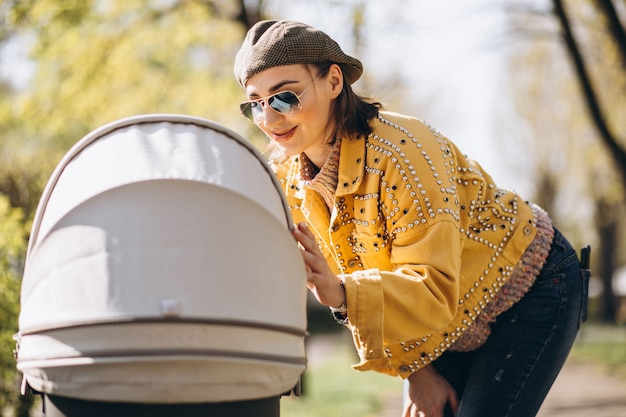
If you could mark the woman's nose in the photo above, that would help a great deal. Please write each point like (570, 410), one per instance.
(270, 116)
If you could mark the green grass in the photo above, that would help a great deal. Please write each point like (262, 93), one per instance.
(331, 388)
(604, 345)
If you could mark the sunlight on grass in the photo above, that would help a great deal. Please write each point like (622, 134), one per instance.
(603, 344)
(333, 389)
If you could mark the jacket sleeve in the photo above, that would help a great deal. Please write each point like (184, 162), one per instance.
(412, 289)
(418, 296)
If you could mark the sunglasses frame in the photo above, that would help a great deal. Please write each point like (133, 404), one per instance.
(245, 108)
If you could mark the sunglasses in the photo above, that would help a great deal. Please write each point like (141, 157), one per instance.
(285, 102)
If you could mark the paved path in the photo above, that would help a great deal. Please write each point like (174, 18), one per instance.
(581, 390)
(585, 390)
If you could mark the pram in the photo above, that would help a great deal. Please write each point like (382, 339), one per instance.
(161, 277)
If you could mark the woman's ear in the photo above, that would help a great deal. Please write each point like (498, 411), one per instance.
(335, 78)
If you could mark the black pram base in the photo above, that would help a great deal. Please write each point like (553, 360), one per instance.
(55, 406)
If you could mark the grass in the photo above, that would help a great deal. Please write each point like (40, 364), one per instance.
(604, 345)
(332, 389)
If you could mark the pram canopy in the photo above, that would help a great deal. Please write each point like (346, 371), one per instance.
(161, 269)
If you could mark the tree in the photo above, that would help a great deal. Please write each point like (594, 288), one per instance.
(606, 207)
(101, 61)
(592, 41)
(12, 236)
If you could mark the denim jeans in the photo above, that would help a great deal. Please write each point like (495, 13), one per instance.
(511, 374)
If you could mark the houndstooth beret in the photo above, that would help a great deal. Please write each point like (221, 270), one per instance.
(271, 43)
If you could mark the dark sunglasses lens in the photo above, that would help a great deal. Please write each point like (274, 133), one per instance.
(284, 102)
(247, 109)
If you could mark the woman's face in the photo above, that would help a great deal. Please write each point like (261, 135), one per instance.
(308, 128)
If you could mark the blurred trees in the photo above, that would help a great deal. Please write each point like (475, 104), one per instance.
(12, 237)
(100, 61)
(574, 72)
(613, 46)
(96, 62)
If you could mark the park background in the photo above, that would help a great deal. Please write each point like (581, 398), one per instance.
(535, 90)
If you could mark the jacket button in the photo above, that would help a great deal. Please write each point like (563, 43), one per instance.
(527, 230)
(335, 228)
(352, 263)
(405, 368)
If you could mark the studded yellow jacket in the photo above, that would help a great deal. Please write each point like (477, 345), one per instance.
(421, 235)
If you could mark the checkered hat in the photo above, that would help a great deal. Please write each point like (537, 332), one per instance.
(272, 43)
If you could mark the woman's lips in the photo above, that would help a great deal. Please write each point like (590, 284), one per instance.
(284, 136)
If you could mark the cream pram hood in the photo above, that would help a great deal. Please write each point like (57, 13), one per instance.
(160, 268)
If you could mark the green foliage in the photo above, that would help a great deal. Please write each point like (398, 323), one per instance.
(12, 248)
(332, 389)
(23, 176)
(602, 344)
(611, 355)
(102, 61)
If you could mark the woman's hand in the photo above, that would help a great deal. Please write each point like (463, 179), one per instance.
(429, 393)
(321, 280)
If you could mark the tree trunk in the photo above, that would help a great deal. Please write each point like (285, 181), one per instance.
(617, 152)
(606, 224)
(607, 231)
(615, 27)
(249, 13)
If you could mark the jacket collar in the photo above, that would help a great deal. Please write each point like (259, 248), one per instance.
(351, 165)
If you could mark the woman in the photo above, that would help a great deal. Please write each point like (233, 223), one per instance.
(460, 287)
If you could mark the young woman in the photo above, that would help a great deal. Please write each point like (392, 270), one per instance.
(460, 287)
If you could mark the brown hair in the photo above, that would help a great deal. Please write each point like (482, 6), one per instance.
(351, 111)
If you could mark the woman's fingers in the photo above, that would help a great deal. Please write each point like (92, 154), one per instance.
(412, 411)
(305, 236)
(321, 280)
(313, 258)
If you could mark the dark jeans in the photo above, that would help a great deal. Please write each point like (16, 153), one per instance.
(511, 374)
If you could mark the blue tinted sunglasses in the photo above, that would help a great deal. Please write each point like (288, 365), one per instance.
(285, 102)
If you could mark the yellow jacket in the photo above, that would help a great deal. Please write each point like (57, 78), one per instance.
(421, 235)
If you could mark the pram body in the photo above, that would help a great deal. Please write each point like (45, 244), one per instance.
(161, 270)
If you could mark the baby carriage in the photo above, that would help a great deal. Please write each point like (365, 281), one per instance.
(161, 277)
